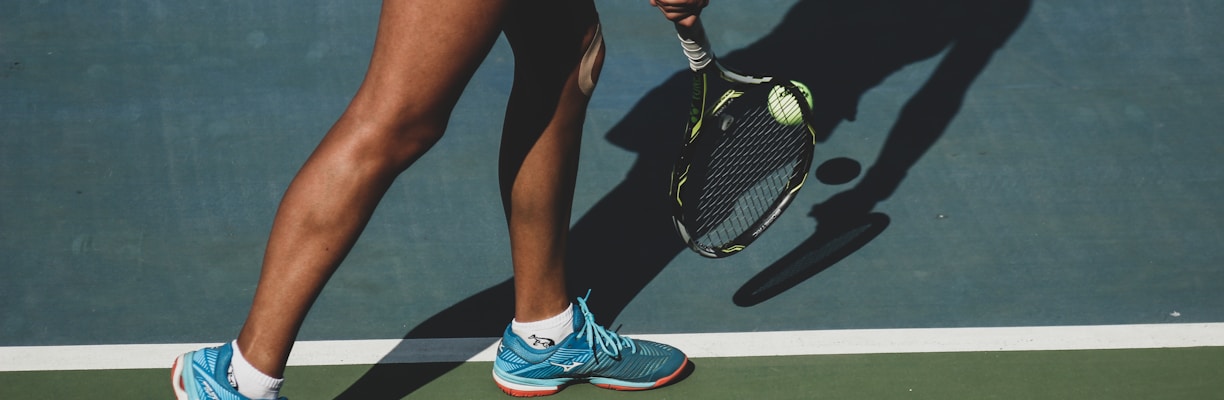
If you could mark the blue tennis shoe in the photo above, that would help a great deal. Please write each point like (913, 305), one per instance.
(591, 354)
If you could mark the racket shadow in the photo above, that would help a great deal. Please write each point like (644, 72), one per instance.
(826, 247)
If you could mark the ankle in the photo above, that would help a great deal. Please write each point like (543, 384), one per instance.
(250, 381)
(547, 332)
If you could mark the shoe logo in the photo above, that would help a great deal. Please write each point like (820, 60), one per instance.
(542, 342)
(229, 375)
(567, 367)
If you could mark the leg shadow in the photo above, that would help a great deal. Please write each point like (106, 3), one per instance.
(615, 250)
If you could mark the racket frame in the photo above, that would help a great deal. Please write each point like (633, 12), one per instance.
(704, 64)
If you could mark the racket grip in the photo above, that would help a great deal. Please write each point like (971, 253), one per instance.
(696, 45)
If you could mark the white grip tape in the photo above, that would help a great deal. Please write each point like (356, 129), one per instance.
(697, 54)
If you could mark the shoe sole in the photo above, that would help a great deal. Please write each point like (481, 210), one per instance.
(176, 378)
(521, 390)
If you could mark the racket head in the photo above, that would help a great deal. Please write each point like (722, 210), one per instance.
(739, 167)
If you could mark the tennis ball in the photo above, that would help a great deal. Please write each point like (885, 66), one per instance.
(784, 107)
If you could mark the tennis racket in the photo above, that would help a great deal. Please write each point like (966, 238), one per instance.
(743, 159)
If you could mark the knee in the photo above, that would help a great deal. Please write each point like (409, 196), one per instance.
(391, 143)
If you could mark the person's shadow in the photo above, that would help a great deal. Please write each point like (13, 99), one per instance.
(840, 49)
(967, 33)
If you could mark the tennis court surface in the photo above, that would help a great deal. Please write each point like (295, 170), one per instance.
(1044, 222)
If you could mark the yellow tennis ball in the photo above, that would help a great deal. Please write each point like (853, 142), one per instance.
(784, 107)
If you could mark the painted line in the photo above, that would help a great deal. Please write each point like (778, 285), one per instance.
(697, 345)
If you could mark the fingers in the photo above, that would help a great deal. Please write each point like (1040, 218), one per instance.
(683, 12)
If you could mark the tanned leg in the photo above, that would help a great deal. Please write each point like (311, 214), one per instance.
(418, 69)
(540, 145)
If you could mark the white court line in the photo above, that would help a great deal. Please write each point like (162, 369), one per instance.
(696, 345)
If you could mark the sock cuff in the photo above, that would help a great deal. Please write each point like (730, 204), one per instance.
(564, 319)
(545, 333)
(248, 374)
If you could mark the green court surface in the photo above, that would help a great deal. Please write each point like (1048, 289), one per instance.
(1116, 374)
(981, 164)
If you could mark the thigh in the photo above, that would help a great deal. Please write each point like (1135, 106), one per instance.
(425, 53)
(550, 36)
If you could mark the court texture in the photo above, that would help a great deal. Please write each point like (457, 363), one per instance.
(1043, 222)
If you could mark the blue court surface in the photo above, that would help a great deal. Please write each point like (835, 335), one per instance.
(1011, 164)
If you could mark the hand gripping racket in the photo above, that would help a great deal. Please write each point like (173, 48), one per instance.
(746, 153)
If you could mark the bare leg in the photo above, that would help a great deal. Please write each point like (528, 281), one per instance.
(418, 70)
(538, 169)
(540, 145)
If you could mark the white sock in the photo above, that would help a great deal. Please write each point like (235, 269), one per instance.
(546, 333)
(250, 381)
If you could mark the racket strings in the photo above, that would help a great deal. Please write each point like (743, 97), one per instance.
(748, 171)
